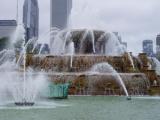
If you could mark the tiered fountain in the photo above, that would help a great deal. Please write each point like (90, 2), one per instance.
(95, 63)
(22, 83)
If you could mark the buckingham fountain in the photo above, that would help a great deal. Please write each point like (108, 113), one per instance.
(86, 75)
(89, 67)
(90, 62)
(94, 62)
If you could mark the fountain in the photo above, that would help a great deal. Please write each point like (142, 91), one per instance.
(131, 60)
(90, 65)
(93, 61)
(23, 84)
(75, 56)
(86, 42)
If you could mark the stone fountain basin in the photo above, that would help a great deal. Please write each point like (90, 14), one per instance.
(99, 81)
(79, 62)
(128, 78)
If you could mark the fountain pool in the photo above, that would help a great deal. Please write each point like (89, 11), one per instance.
(87, 108)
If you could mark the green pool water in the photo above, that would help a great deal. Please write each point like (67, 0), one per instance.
(86, 108)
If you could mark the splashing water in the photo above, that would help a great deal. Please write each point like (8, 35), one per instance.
(17, 83)
(18, 34)
(71, 51)
(91, 33)
(113, 46)
(13, 85)
(87, 39)
(83, 39)
(107, 68)
(24, 47)
(6, 55)
(131, 60)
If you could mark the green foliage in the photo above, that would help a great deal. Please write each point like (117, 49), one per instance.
(4, 42)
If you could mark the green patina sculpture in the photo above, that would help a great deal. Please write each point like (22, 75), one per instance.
(58, 91)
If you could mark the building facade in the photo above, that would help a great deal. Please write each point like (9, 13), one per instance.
(7, 28)
(60, 11)
(31, 19)
(148, 47)
(158, 44)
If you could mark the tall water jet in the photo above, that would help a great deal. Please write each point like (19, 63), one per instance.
(25, 46)
(91, 33)
(24, 73)
(21, 83)
(83, 39)
(131, 60)
(71, 51)
(25, 101)
(41, 48)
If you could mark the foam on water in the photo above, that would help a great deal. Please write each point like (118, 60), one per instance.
(38, 105)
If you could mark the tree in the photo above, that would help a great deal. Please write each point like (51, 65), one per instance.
(4, 42)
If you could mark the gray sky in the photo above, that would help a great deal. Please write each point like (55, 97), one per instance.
(135, 20)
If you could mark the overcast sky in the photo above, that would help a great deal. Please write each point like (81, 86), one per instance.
(135, 20)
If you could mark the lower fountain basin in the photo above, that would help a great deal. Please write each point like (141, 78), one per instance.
(116, 107)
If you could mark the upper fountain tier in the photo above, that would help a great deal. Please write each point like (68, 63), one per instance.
(85, 41)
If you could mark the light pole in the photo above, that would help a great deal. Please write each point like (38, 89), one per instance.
(17, 14)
